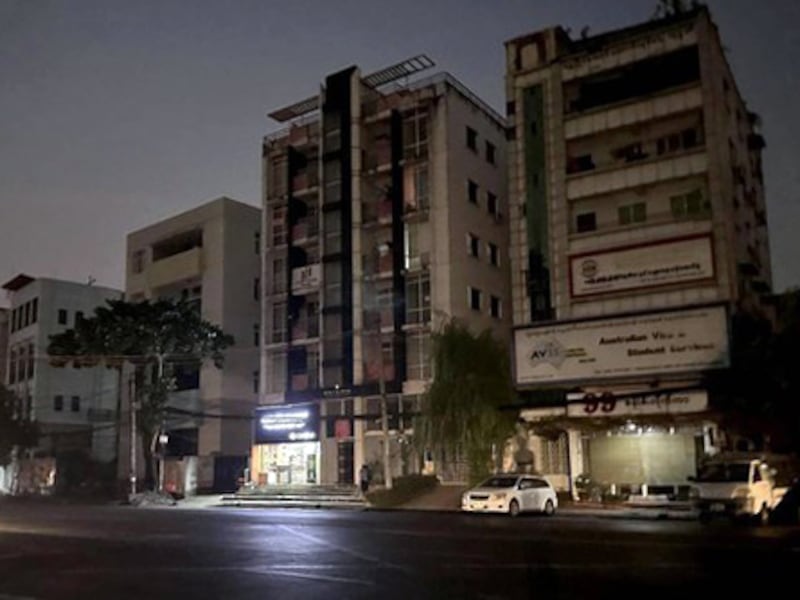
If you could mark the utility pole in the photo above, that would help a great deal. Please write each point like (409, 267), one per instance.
(133, 405)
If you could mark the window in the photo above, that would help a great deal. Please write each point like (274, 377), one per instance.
(257, 242)
(75, 404)
(21, 364)
(31, 361)
(632, 213)
(689, 205)
(256, 382)
(278, 275)
(257, 288)
(278, 225)
(472, 139)
(58, 403)
(472, 192)
(256, 335)
(418, 300)
(473, 245)
(415, 135)
(419, 361)
(586, 222)
(78, 317)
(137, 262)
(490, 153)
(27, 314)
(491, 204)
(496, 307)
(277, 380)
(279, 322)
(474, 298)
(34, 310)
(494, 254)
(12, 366)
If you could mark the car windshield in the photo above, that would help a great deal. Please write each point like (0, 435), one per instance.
(499, 482)
(725, 472)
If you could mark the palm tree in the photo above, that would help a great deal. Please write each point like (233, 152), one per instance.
(461, 413)
(152, 337)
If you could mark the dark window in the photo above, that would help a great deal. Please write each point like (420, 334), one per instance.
(490, 153)
(491, 203)
(256, 334)
(474, 298)
(495, 307)
(472, 191)
(13, 320)
(472, 139)
(12, 366)
(75, 404)
(35, 310)
(494, 255)
(255, 382)
(31, 361)
(257, 287)
(586, 222)
(632, 213)
(58, 403)
(473, 245)
(511, 108)
(62, 316)
(78, 317)
(27, 314)
(257, 242)
(578, 164)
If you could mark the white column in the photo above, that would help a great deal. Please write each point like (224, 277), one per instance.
(576, 462)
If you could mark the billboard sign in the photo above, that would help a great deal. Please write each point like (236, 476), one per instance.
(641, 266)
(681, 341)
(649, 402)
(287, 423)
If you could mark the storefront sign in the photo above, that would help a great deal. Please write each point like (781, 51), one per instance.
(609, 404)
(306, 280)
(287, 423)
(681, 341)
(665, 262)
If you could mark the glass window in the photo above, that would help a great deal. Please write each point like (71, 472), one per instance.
(35, 310)
(419, 359)
(256, 334)
(496, 307)
(418, 300)
(58, 403)
(474, 298)
(494, 254)
(632, 213)
(586, 222)
(75, 404)
(472, 191)
(257, 242)
(278, 225)
(472, 139)
(256, 288)
(278, 275)
(278, 322)
(490, 153)
(277, 379)
(491, 203)
(256, 382)
(473, 245)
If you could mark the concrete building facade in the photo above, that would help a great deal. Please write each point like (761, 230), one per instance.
(209, 256)
(4, 331)
(638, 229)
(75, 408)
(385, 213)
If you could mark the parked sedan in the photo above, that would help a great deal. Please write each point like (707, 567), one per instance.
(511, 494)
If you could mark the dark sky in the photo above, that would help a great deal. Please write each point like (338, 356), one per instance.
(117, 113)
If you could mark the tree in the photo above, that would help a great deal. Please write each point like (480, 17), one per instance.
(152, 336)
(15, 431)
(461, 413)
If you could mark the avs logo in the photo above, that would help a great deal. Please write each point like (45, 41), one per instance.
(547, 352)
(589, 268)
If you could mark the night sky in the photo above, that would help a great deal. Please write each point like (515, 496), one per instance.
(115, 114)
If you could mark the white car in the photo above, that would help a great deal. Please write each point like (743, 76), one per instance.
(511, 494)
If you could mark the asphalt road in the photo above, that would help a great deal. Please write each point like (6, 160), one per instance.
(89, 553)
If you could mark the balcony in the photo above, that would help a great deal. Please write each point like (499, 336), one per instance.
(635, 175)
(305, 329)
(372, 371)
(174, 268)
(376, 212)
(305, 230)
(378, 266)
(305, 183)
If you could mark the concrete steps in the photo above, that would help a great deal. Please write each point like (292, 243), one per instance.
(306, 496)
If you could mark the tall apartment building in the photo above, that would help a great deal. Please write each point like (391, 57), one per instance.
(4, 331)
(76, 408)
(384, 214)
(638, 227)
(210, 256)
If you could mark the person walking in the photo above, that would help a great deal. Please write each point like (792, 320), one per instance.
(364, 477)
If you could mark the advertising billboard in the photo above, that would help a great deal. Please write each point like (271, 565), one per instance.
(681, 341)
(287, 423)
(641, 266)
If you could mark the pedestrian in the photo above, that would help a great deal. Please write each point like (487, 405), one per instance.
(364, 477)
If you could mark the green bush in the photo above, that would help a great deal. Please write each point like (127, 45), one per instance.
(404, 490)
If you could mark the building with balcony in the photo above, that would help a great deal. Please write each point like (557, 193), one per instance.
(638, 229)
(75, 407)
(209, 256)
(384, 214)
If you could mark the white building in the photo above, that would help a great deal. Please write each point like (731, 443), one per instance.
(209, 255)
(638, 228)
(76, 408)
(384, 214)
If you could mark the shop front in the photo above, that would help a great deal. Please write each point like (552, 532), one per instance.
(287, 447)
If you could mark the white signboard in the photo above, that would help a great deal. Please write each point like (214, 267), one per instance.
(655, 343)
(655, 264)
(306, 280)
(650, 402)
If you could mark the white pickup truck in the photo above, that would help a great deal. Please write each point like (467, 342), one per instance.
(742, 485)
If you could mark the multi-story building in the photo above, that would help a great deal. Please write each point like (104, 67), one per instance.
(210, 256)
(4, 331)
(75, 407)
(638, 227)
(384, 214)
